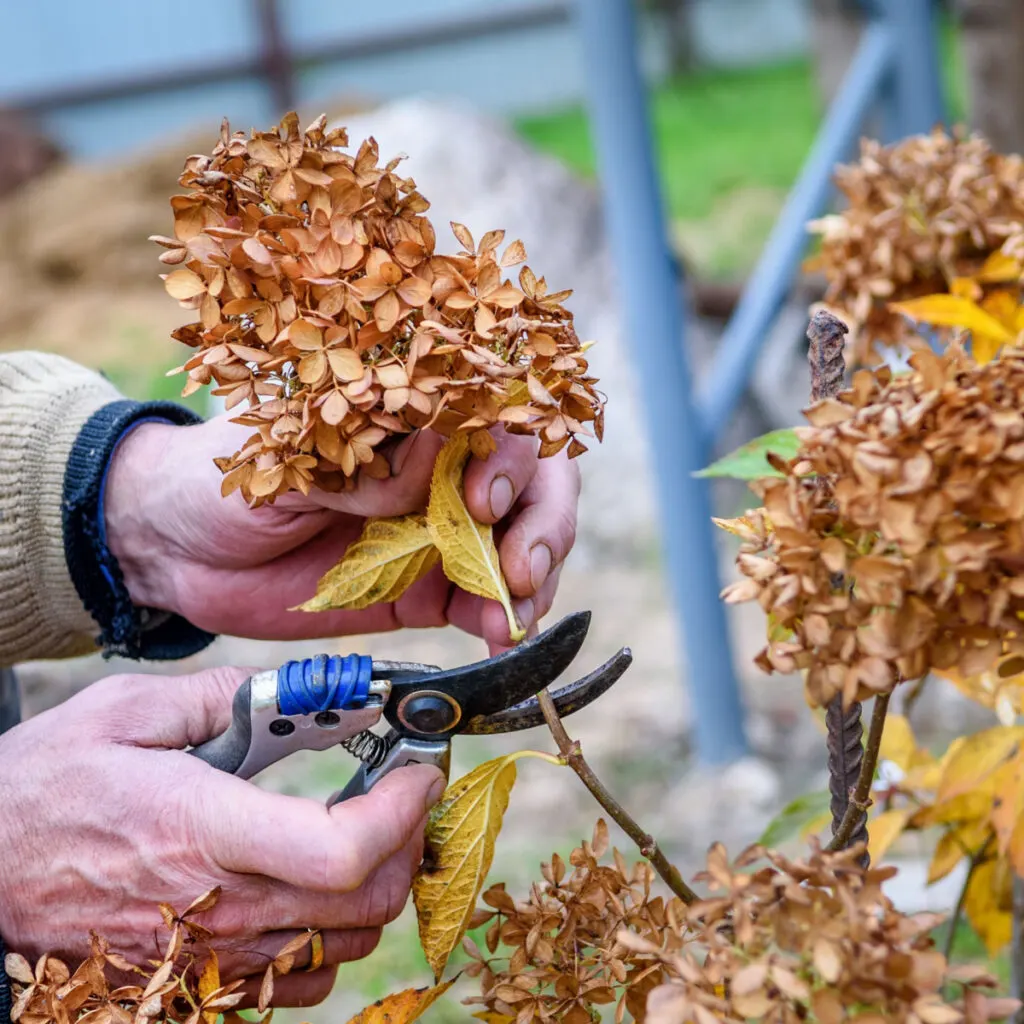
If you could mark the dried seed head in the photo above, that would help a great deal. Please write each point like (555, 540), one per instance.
(321, 304)
(921, 213)
(775, 939)
(909, 561)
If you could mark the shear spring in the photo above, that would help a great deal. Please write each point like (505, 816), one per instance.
(370, 748)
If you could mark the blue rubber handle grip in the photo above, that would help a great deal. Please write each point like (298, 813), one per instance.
(324, 683)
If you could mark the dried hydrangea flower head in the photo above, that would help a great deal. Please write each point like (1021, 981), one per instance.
(910, 559)
(921, 213)
(775, 940)
(323, 307)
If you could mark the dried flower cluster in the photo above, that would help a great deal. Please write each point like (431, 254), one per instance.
(921, 213)
(322, 304)
(892, 543)
(812, 939)
(783, 941)
(106, 988)
(561, 957)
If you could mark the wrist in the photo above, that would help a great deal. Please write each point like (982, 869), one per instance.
(136, 620)
(134, 506)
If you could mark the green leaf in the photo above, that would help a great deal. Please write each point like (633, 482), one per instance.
(748, 461)
(794, 818)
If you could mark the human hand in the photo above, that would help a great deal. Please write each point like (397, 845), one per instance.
(103, 815)
(230, 569)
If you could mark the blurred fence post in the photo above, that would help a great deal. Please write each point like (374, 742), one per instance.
(914, 99)
(767, 287)
(277, 61)
(653, 325)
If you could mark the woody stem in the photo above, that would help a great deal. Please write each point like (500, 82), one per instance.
(648, 846)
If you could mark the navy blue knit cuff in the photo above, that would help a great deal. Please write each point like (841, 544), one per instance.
(125, 630)
(6, 999)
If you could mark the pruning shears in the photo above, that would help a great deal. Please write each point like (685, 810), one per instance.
(329, 701)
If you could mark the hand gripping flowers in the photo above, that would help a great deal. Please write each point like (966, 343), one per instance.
(322, 305)
(324, 311)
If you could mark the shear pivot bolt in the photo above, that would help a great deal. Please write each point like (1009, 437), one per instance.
(429, 713)
(282, 727)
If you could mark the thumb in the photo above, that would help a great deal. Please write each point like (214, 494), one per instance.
(405, 491)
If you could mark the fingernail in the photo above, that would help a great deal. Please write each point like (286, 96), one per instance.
(540, 564)
(436, 791)
(402, 453)
(501, 495)
(524, 612)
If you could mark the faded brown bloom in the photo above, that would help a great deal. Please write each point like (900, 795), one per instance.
(922, 213)
(561, 956)
(813, 939)
(776, 940)
(909, 560)
(181, 985)
(321, 304)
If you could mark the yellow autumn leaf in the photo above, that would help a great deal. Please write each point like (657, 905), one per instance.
(884, 829)
(949, 851)
(928, 776)
(966, 288)
(468, 551)
(389, 557)
(988, 904)
(998, 268)
(984, 348)
(1001, 305)
(1006, 818)
(1000, 689)
(953, 311)
(402, 1007)
(209, 982)
(977, 758)
(970, 806)
(899, 746)
(493, 1017)
(460, 838)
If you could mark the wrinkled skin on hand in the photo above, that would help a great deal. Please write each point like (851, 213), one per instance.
(104, 815)
(231, 569)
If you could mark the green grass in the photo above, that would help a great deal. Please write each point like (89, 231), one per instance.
(969, 949)
(144, 383)
(729, 144)
(715, 131)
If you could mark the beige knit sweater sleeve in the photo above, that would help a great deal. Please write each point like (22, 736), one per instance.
(44, 402)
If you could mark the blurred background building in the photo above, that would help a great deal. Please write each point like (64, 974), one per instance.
(110, 84)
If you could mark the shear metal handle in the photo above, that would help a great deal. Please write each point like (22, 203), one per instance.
(260, 735)
(404, 751)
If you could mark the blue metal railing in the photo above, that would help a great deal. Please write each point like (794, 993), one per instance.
(896, 70)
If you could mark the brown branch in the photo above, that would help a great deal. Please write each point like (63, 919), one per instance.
(855, 819)
(826, 334)
(573, 756)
